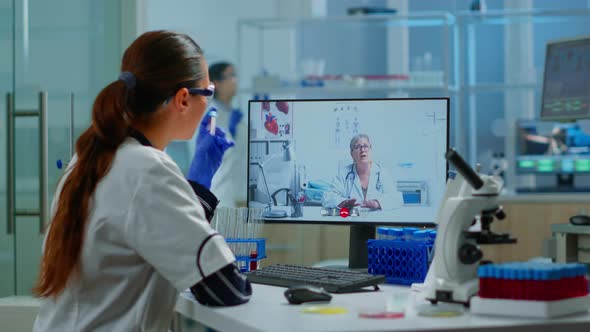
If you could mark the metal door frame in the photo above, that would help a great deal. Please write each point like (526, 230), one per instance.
(42, 211)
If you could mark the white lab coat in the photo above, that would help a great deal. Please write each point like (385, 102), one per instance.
(347, 185)
(145, 233)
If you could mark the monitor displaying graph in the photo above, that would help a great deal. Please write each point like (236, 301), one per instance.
(566, 84)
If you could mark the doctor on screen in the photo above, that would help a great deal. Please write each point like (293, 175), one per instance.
(362, 183)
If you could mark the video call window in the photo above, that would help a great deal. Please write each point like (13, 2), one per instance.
(381, 158)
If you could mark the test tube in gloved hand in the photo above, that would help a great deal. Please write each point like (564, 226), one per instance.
(209, 151)
(212, 120)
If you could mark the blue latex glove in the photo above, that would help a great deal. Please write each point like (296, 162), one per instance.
(208, 154)
(234, 120)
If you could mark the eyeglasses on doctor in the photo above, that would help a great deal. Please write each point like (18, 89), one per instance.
(358, 147)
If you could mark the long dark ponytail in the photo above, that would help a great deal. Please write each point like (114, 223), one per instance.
(155, 66)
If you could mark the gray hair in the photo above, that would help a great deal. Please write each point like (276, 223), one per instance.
(355, 139)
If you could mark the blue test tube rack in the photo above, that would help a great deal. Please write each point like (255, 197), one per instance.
(244, 262)
(403, 255)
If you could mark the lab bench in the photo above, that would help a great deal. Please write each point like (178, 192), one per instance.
(268, 310)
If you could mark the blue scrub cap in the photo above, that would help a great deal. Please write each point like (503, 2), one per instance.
(128, 78)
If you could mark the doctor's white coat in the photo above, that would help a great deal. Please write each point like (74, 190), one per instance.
(347, 185)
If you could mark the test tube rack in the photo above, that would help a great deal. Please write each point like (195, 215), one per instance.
(402, 262)
(249, 262)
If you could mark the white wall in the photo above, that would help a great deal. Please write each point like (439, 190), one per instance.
(212, 24)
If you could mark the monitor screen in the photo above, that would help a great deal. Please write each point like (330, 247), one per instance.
(545, 147)
(566, 85)
(365, 161)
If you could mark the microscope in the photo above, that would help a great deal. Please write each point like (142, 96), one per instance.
(468, 198)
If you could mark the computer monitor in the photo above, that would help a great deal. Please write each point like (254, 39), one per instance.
(566, 84)
(554, 148)
(309, 159)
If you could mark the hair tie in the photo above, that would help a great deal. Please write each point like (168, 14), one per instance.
(128, 78)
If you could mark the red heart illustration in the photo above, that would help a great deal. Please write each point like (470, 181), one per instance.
(282, 106)
(271, 124)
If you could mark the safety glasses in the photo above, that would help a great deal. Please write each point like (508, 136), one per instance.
(208, 92)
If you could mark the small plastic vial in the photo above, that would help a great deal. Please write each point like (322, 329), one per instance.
(212, 121)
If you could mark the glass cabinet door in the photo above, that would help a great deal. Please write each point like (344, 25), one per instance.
(64, 51)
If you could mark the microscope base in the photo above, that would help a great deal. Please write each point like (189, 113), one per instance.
(275, 214)
(448, 291)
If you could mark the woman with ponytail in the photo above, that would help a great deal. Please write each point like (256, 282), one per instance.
(128, 232)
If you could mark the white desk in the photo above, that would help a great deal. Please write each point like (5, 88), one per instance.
(269, 311)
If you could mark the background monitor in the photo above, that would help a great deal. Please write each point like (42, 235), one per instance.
(302, 149)
(566, 84)
(555, 148)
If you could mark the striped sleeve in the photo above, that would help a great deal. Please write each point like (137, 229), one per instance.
(225, 287)
(206, 198)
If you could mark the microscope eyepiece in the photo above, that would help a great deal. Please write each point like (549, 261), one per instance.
(463, 167)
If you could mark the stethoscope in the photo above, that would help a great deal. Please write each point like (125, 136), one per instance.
(351, 176)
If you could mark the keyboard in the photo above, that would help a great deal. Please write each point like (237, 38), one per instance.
(332, 280)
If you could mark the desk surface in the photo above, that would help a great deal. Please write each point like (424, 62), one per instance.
(569, 228)
(269, 311)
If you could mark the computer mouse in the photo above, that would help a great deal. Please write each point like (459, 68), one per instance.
(580, 220)
(306, 293)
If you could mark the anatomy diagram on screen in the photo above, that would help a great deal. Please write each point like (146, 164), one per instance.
(347, 125)
(277, 119)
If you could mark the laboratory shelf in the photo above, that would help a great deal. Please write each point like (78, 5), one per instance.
(284, 53)
(349, 89)
(498, 87)
(420, 19)
(504, 17)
